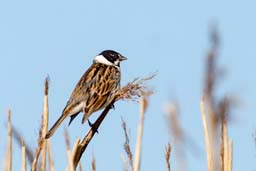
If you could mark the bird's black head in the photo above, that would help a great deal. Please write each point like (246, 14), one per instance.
(110, 57)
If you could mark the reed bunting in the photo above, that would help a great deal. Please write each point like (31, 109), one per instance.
(95, 90)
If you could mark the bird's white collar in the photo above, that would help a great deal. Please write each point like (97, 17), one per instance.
(101, 59)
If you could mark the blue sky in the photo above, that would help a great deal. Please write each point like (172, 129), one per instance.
(60, 38)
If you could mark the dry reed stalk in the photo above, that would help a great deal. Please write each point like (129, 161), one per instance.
(127, 147)
(131, 91)
(9, 152)
(78, 152)
(20, 140)
(224, 150)
(125, 163)
(175, 129)
(174, 126)
(215, 109)
(37, 153)
(80, 166)
(222, 160)
(225, 146)
(137, 158)
(23, 157)
(167, 156)
(70, 161)
(217, 115)
(77, 142)
(50, 155)
(45, 123)
(42, 131)
(223, 109)
(210, 82)
(70, 166)
(93, 163)
(230, 155)
(207, 137)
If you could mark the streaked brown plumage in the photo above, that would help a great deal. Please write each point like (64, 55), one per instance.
(95, 90)
(102, 82)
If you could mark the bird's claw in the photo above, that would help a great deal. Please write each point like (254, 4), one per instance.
(112, 106)
(89, 122)
(92, 126)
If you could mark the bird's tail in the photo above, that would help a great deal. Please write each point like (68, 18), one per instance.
(55, 126)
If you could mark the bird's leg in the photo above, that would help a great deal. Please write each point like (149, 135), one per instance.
(86, 118)
(92, 124)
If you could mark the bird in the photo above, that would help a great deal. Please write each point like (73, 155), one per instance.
(95, 90)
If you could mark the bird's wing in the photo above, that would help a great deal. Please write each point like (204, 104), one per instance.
(94, 90)
(100, 95)
(81, 90)
(102, 92)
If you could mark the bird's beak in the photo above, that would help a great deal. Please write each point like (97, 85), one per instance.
(122, 58)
